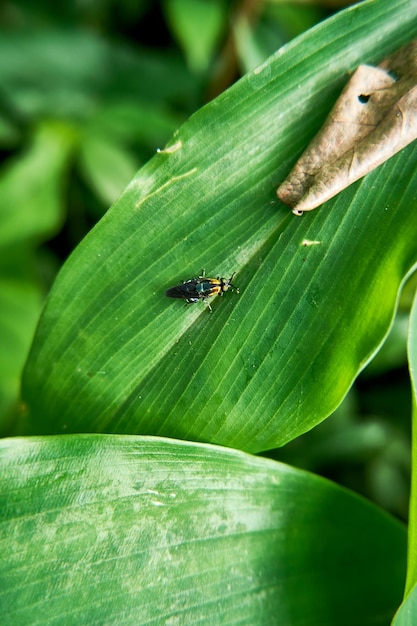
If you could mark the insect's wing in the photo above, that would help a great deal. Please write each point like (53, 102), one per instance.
(176, 292)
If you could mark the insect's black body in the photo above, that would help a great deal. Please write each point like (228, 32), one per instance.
(200, 288)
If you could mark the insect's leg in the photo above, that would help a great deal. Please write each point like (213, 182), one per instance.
(203, 299)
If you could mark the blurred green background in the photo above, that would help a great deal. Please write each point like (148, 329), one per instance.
(88, 92)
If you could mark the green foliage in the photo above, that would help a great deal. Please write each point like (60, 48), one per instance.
(80, 119)
(157, 529)
(273, 362)
(31, 208)
(197, 25)
(188, 533)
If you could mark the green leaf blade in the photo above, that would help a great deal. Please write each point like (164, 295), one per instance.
(134, 530)
(273, 361)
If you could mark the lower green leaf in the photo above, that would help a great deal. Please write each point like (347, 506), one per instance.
(133, 530)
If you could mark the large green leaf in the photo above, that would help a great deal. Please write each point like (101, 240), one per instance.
(318, 293)
(102, 529)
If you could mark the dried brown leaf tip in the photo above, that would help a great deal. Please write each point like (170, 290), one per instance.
(374, 117)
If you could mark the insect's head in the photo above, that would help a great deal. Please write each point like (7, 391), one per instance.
(227, 284)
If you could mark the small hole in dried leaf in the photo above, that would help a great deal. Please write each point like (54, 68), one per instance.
(363, 98)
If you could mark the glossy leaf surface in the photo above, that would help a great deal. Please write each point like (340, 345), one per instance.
(317, 294)
(131, 530)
